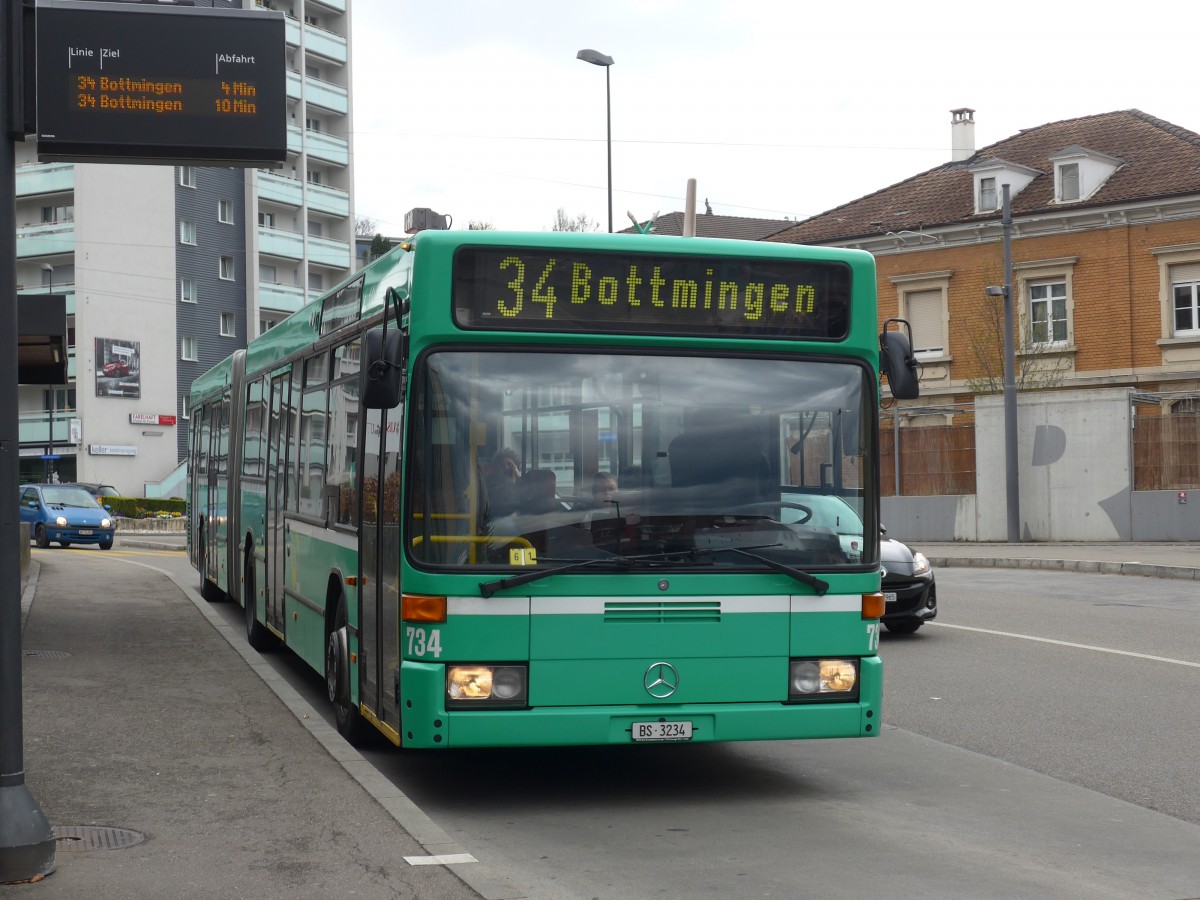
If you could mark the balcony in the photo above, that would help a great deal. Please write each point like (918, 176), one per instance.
(317, 40)
(34, 428)
(48, 239)
(334, 5)
(330, 201)
(321, 146)
(284, 244)
(323, 251)
(280, 189)
(45, 178)
(280, 297)
(290, 245)
(319, 93)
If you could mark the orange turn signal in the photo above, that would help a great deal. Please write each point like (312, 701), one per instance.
(418, 608)
(872, 606)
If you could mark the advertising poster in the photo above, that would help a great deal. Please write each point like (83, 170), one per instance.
(118, 368)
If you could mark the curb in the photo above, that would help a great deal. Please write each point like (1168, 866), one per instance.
(1145, 570)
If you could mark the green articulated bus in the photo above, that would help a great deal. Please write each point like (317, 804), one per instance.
(562, 488)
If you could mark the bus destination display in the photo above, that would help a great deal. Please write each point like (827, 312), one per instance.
(147, 83)
(584, 290)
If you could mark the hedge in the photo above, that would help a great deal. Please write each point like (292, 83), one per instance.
(145, 507)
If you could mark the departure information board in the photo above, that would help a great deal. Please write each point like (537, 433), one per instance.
(145, 83)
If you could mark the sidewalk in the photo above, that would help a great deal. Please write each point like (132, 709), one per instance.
(173, 764)
(1156, 560)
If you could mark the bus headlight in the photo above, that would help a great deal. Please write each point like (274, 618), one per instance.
(481, 685)
(823, 679)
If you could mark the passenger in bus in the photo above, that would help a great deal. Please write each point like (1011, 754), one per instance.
(537, 493)
(603, 504)
(502, 477)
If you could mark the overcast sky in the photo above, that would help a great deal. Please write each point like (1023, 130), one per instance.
(778, 108)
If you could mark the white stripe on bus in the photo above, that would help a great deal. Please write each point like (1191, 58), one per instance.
(596, 606)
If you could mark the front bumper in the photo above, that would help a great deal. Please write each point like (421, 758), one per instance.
(423, 684)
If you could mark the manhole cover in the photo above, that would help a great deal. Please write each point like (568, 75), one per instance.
(48, 654)
(94, 837)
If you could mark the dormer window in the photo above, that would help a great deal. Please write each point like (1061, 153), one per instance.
(989, 177)
(987, 195)
(1079, 173)
(1068, 181)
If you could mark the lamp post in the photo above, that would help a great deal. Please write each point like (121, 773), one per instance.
(596, 58)
(1011, 476)
(49, 467)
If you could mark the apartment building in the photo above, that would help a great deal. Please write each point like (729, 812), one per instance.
(169, 269)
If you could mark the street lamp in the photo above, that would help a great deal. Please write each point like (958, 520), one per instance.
(596, 58)
(48, 469)
(1011, 472)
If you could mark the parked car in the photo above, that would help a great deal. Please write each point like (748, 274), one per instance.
(826, 511)
(65, 513)
(117, 369)
(909, 592)
(96, 490)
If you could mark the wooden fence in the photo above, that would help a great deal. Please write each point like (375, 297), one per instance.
(1166, 452)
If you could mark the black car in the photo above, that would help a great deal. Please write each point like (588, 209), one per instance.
(96, 490)
(910, 596)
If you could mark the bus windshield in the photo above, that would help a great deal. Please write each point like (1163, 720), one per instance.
(549, 457)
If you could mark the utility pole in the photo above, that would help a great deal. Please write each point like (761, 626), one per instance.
(1011, 483)
(26, 838)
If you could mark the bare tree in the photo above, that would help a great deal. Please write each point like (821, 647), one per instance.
(365, 226)
(581, 222)
(480, 225)
(1038, 364)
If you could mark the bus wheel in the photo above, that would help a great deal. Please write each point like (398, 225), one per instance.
(350, 724)
(257, 635)
(208, 590)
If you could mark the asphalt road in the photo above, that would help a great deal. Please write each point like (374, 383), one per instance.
(1039, 742)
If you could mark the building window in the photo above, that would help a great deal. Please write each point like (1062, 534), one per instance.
(53, 214)
(226, 268)
(187, 232)
(187, 176)
(266, 219)
(925, 313)
(185, 406)
(1048, 313)
(1186, 296)
(187, 349)
(268, 274)
(187, 290)
(225, 212)
(1068, 181)
(313, 124)
(987, 194)
(316, 281)
(227, 325)
(314, 177)
(265, 325)
(316, 229)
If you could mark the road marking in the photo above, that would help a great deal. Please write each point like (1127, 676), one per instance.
(446, 859)
(1040, 640)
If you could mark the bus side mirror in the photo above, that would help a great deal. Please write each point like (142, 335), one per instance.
(384, 388)
(896, 361)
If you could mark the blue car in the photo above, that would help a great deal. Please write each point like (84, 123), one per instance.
(66, 514)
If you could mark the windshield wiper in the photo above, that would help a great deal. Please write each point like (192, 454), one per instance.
(799, 574)
(488, 588)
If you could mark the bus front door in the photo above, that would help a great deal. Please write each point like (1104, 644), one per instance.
(379, 631)
(278, 484)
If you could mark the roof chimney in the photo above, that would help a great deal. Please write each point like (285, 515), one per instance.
(962, 134)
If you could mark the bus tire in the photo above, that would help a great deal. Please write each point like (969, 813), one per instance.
(257, 634)
(208, 590)
(350, 723)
